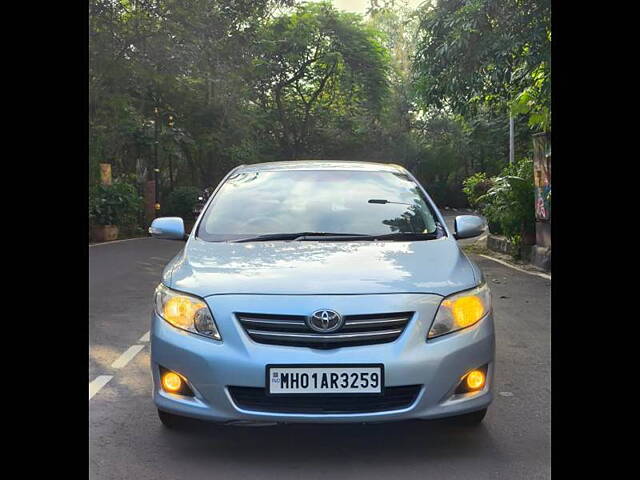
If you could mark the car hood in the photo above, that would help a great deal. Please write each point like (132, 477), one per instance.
(303, 267)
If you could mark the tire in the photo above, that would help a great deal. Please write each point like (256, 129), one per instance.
(472, 419)
(171, 421)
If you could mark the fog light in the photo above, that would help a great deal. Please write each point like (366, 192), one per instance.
(475, 380)
(174, 383)
(171, 382)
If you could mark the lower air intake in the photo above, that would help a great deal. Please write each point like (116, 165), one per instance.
(256, 399)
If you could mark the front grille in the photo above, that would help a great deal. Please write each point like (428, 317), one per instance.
(256, 399)
(292, 330)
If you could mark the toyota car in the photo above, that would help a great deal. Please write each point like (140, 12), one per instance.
(321, 291)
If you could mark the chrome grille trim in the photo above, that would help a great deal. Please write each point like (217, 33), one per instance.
(292, 330)
(257, 321)
(329, 337)
(373, 322)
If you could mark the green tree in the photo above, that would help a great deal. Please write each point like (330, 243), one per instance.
(185, 57)
(261, 80)
(397, 137)
(484, 53)
(314, 68)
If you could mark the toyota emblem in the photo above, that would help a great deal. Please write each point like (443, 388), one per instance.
(325, 321)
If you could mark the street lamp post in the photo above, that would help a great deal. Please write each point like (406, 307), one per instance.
(156, 170)
(512, 149)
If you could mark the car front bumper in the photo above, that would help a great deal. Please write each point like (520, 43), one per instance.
(211, 366)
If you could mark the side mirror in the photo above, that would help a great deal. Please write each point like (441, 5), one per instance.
(468, 226)
(167, 228)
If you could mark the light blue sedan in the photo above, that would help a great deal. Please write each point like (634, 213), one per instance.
(321, 291)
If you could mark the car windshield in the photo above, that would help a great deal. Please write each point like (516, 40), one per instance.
(253, 203)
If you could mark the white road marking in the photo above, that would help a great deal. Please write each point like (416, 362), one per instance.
(121, 361)
(116, 241)
(145, 337)
(543, 275)
(506, 394)
(98, 383)
(126, 357)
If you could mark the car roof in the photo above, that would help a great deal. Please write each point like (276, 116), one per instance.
(321, 165)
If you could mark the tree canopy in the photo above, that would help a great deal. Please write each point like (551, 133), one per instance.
(483, 53)
(241, 81)
(316, 71)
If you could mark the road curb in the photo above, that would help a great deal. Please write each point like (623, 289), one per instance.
(115, 241)
(507, 264)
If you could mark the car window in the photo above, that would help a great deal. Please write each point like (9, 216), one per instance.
(270, 202)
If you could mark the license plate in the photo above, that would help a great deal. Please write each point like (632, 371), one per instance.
(283, 379)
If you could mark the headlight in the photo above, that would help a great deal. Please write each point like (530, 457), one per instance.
(186, 312)
(461, 310)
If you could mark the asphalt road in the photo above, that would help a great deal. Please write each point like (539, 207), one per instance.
(126, 439)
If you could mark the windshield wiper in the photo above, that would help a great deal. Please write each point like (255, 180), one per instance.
(403, 236)
(295, 236)
(383, 202)
(327, 236)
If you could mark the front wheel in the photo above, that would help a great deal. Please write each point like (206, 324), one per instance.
(470, 419)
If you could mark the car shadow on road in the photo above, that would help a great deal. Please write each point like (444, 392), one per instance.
(379, 443)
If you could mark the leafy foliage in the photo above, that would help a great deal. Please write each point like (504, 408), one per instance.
(475, 187)
(226, 82)
(181, 201)
(509, 203)
(189, 59)
(318, 71)
(475, 53)
(116, 204)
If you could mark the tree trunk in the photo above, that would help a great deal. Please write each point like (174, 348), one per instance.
(170, 173)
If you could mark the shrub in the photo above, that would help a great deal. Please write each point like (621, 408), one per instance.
(446, 193)
(475, 187)
(181, 201)
(509, 203)
(117, 204)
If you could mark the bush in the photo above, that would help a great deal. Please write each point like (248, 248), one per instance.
(117, 204)
(509, 203)
(446, 194)
(181, 201)
(475, 187)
